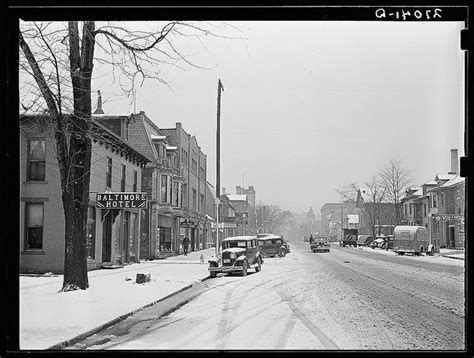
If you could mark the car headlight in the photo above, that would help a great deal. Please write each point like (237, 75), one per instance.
(233, 255)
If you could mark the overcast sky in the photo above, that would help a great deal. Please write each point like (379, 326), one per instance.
(310, 107)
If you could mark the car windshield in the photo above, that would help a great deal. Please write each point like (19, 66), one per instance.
(230, 244)
(320, 239)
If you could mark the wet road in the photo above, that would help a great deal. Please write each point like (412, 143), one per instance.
(351, 299)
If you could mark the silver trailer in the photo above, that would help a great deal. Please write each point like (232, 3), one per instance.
(412, 239)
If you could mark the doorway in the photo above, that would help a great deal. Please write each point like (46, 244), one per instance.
(451, 238)
(107, 237)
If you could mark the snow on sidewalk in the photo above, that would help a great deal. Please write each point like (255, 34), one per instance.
(49, 317)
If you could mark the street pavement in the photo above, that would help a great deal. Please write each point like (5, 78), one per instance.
(52, 319)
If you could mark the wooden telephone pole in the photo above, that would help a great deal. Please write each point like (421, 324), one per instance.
(218, 160)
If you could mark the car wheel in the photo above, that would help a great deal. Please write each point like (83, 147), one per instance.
(213, 274)
(245, 267)
(259, 265)
(282, 253)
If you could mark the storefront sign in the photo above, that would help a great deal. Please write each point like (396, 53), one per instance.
(448, 217)
(120, 200)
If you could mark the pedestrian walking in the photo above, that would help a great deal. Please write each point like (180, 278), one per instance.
(185, 245)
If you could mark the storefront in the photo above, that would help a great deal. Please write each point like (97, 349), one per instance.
(119, 215)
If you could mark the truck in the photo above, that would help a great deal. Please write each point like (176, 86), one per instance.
(412, 239)
(349, 237)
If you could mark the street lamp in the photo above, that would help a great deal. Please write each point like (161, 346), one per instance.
(244, 216)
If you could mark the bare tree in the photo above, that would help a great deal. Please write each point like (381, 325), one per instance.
(368, 199)
(270, 218)
(60, 58)
(395, 178)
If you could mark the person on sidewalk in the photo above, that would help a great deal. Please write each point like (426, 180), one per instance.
(185, 245)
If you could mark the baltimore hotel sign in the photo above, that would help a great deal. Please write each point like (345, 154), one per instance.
(121, 200)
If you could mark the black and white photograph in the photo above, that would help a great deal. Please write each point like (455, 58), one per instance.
(280, 180)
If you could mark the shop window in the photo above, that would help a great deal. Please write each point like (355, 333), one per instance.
(36, 160)
(34, 226)
(108, 174)
(90, 244)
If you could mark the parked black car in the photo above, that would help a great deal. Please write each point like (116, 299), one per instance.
(239, 253)
(272, 245)
(364, 240)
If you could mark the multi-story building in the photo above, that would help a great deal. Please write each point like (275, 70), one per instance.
(375, 214)
(162, 182)
(192, 166)
(113, 232)
(333, 214)
(412, 207)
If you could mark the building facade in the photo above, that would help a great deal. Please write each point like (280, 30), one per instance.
(113, 234)
(192, 167)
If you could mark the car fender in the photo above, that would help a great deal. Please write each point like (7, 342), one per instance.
(241, 258)
(213, 261)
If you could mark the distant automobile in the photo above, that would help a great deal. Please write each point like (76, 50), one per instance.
(272, 245)
(239, 253)
(378, 242)
(320, 244)
(388, 242)
(364, 240)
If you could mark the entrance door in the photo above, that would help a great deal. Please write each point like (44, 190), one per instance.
(126, 237)
(452, 242)
(107, 237)
(193, 239)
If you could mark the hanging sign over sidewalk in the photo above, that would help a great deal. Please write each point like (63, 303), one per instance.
(448, 217)
(120, 200)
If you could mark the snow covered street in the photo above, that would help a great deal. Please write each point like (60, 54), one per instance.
(350, 298)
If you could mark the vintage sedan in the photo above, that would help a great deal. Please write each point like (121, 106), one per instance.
(272, 245)
(239, 253)
(320, 244)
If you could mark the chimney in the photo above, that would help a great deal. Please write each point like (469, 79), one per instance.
(454, 162)
(99, 104)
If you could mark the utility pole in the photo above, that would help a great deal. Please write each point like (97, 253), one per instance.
(218, 139)
(218, 161)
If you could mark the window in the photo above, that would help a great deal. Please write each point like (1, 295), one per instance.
(36, 160)
(34, 226)
(435, 198)
(184, 195)
(411, 208)
(194, 166)
(164, 185)
(135, 180)
(425, 209)
(202, 203)
(122, 181)
(126, 129)
(108, 174)
(175, 194)
(90, 244)
(194, 198)
(202, 173)
(406, 205)
(442, 200)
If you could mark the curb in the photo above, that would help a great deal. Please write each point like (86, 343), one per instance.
(453, 257)
(120, 318)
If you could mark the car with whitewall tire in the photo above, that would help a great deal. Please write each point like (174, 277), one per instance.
(239, 254)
